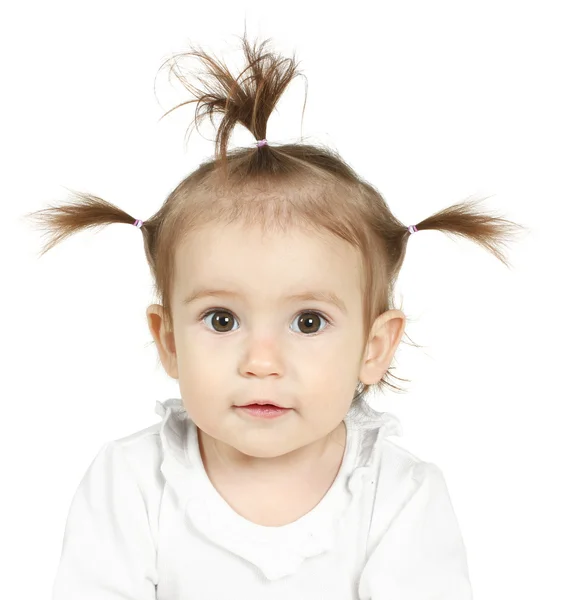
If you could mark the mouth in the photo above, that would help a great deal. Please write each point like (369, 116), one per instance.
(264, 410)
(261, 403)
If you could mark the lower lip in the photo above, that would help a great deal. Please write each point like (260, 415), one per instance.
(264, 412)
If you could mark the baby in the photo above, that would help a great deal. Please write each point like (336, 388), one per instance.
(270, 477)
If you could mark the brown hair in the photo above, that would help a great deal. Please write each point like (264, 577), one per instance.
(284, 185)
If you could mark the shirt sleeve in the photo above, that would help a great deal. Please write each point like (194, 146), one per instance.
(108, 551)
(421, 555)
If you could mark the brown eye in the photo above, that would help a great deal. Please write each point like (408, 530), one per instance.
(309, 321)
(222, 321)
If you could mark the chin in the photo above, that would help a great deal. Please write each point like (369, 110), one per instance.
(264, 450)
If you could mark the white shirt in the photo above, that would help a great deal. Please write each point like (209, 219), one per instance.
(146, 523)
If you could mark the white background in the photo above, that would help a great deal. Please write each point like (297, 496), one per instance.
(431, 102)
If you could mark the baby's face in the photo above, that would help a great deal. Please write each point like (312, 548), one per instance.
(263, 345)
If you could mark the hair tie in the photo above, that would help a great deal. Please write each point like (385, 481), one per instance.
(412, 229)
(261, 143)
(138, 223)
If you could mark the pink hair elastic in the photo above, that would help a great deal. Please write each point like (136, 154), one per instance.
(138, 223)
(412, 229)
(261, 143)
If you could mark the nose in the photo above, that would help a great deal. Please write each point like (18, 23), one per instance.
(262, 360)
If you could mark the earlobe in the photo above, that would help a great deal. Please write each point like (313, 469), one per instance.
(385, 337)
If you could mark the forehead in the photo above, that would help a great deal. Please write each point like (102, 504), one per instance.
(248, 259)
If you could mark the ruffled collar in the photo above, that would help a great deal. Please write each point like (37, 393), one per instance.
(277, 551)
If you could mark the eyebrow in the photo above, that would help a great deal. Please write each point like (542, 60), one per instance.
(322, 296)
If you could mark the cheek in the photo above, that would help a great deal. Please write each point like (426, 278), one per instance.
(329, 361)
(207, 409)
(204, 382)
(336, 374)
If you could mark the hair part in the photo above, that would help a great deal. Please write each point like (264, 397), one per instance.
(275, 187)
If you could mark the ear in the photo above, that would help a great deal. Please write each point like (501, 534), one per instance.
(163, 339)
(385, 336)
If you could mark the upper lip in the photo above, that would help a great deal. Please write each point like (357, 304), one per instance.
(263, 402)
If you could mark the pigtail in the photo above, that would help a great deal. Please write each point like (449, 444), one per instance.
(82, 211)
(465, 220)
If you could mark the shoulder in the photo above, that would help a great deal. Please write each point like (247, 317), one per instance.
(401, 473)
(402, 463)
(140, 454)
(142, 441)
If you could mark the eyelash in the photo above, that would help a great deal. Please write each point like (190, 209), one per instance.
(308, 311)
